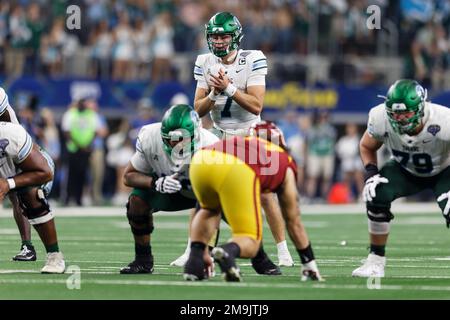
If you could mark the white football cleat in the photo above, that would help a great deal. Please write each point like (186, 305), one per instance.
(181, 260)
(372, 267)
(55, 263)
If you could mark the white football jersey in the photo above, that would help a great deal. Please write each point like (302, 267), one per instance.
(150, 156)
(15, 146)
(248, 69)
(425, 154)
(4, 106)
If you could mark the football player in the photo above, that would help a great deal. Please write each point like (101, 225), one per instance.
(27, 251)
(231, 88)
(417, 134)
(229, 176)
(28, 170)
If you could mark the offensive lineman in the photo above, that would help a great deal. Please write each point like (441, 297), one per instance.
(231, 88)
(28, 170)
(417, 133)
(27, 251)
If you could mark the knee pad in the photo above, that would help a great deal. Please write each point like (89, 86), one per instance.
(37, 213)
(379, 214)
(140, 220)
(379, 219)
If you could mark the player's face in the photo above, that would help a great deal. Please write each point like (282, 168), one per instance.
(220, 41)
(403, 117)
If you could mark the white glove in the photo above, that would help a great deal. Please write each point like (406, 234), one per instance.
(311, 272)
(447, 206)
(168, 184)
(371, 184)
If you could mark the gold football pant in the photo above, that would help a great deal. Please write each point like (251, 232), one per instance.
(224, 182)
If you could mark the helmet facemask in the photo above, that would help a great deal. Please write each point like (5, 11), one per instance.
(405, 113)
(223, 23)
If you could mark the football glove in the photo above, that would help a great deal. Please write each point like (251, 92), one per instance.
(370, 186)
(168, 184)
(446, 210)
(311, 272)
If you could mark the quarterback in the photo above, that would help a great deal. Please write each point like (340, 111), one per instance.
(228, 177)
(28, 171)
(231, 88)
(417, 134)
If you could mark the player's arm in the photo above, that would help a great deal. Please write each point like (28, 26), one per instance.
(368, 147)
(35, 172)
(202, 101)
(136, 179)
(252, 100)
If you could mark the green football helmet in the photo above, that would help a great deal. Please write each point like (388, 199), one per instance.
(405, 96)
(180, 123)
(224, 23)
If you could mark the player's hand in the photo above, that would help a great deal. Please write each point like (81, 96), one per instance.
(220, 82)
(370, 186)
(446, 210)
(4, 189)
(168, 184)
(311, 272)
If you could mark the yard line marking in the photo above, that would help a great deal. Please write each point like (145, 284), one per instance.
(228, 285)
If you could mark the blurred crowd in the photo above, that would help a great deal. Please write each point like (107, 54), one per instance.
(138, 39)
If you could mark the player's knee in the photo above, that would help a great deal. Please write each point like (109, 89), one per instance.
(139, 216)
(379, 219)
(35, 206)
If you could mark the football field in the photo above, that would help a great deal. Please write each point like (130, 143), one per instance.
(98, 242)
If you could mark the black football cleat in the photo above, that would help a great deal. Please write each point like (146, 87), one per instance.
(265, 266)
(138, 266)
(27, 253)
(230, 271)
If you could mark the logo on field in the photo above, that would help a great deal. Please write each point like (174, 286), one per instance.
(434, 129)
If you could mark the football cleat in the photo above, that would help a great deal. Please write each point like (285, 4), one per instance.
(230, 271)
(372, 267)
(311, 272)
(195, 269)
(27, 253)
(138, 266)
(181, 260)
(265, 266)
(55, 263)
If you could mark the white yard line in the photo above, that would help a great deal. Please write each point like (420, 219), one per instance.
(359, 208)
(227, 285)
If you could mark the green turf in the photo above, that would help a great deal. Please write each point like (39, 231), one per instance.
(418, 262)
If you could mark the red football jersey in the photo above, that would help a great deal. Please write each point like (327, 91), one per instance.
(268, 160)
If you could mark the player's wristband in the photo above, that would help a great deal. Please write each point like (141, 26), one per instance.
(212, 96)
(230, 90)
(11, 183)
(371, 170)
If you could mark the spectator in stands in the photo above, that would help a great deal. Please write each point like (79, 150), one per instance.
(97, 159)
(120, 150)
(123, 52)
(145, 115)
(320, 140)
(20, 35)
(101, 42)
(162, 34)
(347, 150)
